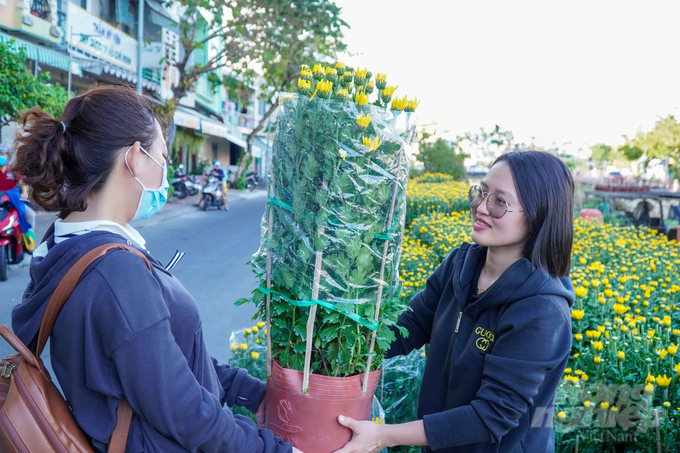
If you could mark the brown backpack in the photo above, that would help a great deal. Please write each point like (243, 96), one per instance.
(33, 415)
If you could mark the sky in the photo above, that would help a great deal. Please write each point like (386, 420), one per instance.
(575, 72)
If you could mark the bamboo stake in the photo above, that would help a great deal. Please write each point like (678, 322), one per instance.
(272, 182)
(312, 310)
(380, 288)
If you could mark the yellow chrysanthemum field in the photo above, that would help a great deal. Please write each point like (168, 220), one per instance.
(621, 384)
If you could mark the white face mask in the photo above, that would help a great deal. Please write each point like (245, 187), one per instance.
(152, 200)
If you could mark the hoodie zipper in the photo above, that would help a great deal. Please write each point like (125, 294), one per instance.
(460, 316)
(38, 416)
(11, 432)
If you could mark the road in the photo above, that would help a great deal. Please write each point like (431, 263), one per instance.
(218, 245)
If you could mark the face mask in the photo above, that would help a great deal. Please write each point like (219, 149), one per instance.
(151, 201)
(3, 160)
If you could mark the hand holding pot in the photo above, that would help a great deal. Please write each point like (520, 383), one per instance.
(261, 413)
(366, 437)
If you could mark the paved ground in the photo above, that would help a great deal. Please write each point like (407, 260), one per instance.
(218, 245)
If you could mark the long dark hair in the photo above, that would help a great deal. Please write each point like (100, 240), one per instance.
(546, 191)
(64, 163)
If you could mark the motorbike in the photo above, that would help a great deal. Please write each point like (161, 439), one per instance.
(11, 245)
(212, 194)
(184, 184)
(252, 180)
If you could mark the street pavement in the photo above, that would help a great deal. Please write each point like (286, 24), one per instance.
(218, 245)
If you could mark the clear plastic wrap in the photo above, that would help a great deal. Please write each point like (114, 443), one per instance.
(399, 387)
(333, 227)
(337, 195)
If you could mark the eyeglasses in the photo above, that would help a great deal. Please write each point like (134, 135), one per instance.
(495, 203)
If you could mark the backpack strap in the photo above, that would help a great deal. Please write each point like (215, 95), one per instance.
(59, 297)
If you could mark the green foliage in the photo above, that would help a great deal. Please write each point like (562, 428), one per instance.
(191, 143)
(268, 34)
(334, 197)
(630, 152)
(442, 156)
(600, 152)
(19, 90)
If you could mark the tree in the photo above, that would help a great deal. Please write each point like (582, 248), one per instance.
(307, 31)
(268, 36)
(19, 90)
(441, 156)
(630, 152)
(488, 145)
(600, 152)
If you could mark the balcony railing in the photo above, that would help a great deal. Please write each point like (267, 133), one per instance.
(40, 8)
(153, 74)
(242, 120)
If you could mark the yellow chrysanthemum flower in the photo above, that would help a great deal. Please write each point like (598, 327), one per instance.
(234, 346)
(387, 93)
(619, 309)
(244, 346)
(581, 291)
(412, 105)
(672, 349)
(649, 388)
(371, 143)
(399, 104)
(254, 355)
(361, 99)
(663, 381)
(578, 314)
(319, 71)
(621, 355)
(364, 121)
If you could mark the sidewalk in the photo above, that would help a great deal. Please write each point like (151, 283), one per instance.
(176, 207)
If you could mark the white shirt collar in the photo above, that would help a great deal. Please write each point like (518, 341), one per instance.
(63, 230)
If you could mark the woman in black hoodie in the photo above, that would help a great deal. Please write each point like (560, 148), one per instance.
(496, 315)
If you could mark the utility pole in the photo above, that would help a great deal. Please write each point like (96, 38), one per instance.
(140, 43)
(70, 64)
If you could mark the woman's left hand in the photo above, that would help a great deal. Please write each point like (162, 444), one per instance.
(366, 436)
(261, 413)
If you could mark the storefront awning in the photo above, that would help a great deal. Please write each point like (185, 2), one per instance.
(205, 126)
(38, 53)
(159, 15)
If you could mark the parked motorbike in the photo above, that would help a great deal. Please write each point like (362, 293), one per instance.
(184, 184)
(212, 194)
(252, 180)
(11, 245)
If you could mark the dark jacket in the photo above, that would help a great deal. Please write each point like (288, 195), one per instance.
(492, 367)
(126, 333)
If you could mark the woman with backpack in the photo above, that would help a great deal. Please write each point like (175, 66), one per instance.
(125, 333)
(496, 316)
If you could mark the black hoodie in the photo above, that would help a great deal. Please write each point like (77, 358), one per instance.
(493, 366)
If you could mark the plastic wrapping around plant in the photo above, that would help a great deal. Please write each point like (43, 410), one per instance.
(332, 231)
(400, 385)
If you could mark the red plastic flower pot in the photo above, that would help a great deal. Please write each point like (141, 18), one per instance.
(309, 422)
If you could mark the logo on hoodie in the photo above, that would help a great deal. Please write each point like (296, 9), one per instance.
(484, 339)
